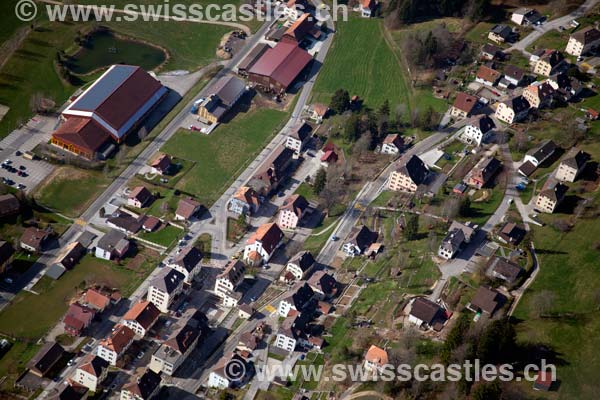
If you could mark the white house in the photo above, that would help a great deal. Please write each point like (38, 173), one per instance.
(359, 240)
(262, 244)
(188, 263)
(478, 129)
(113, 244)
(392, 144)
(298, 137)
(91, 372)
(292, 211)
(300, 265)
(296, 299)
(142, 387)
(117, 342)
(228, 281)
(425, 313)
(292, 333)
(164, 288)
(220, 379)
(141, 317)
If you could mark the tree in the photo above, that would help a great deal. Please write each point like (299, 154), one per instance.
(486, 391)
(340, 101)
(320, 180)
(465, 207)
(352, 129)
(384, 110)
(411, 230)
(432, 241)
(450, 207)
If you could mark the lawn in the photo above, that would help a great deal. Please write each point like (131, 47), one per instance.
(223, 154)
(70, 190)
(45, 309)
(204, 243)
(482, 210)
(568, 269)
(315, 242)
(479, 33)
(306, 191)
(361, 62)
(14, 362)
(165, 236)
(10, 23)
(550, 40)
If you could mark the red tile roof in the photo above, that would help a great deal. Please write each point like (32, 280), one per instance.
(283, 63)
(144, 313)
(465, 102)
(84, 133)
(118, 339)
(269, 235)
(96, 299)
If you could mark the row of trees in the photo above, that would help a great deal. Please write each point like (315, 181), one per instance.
(409, 11)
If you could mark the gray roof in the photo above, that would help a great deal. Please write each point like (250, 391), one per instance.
(168, 280)
(453, 240)
(303, 259)
(55, 271)
(575, 158)
(300, 131)
(543, 151)
(112, 240)
(229, 89)
(502, 30)
(86, 238)
(105, 87)
(415, 168)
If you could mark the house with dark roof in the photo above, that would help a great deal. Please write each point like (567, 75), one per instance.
(244, 201)
(500, 34)
(483, 172)
(188, 263)
(70, 255)
(125, 222)
(161, 165)
(35, 239)
(91, 372)
(297, 299)
(512, 110)
(45, 359)
(550, 62)
(409, 176)
(514, 75)
(572, 164)
(527, 16)
(187, 208)
(550, 197)
(9, 205)
(583, 41)
(512, 233)
(491, 52)
(220, 379)
(477, 129)
(142, 387)
(115, 344)
(112, 107)
(279, 67)
(275, 171)
(292, 333)
(392, 144)
(225, 93)
(298, 137)
(141, 317)
(69, 391)
(291, 211)
(140, 197)
(486, 300)
(539, 94)
(359, 240)
(261, 245)
(163, 289)
(426, 314)
(174, 351)
(302, 28)
(451, 243)
(504, 269)
(227, 282)
(113, 244)
(323, 285)
(541, 153)
(299, 265)
(463, 105)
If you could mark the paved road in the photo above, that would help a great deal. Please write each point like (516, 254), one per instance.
(565, 20)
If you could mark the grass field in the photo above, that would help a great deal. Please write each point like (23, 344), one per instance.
(9, 23)
(222, 155)
(70, 191)
(165, 236)
(569, 269)
(45, 309)
(361, 62)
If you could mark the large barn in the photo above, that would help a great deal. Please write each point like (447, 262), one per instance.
(110, 108)
(279, 66)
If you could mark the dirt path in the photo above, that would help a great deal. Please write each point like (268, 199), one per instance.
(152, 17)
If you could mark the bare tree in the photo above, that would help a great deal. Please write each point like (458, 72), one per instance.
(450, 207)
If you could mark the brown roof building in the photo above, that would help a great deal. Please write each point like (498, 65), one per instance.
(463, 105)
(9, 205)
(187, 208)
(34, 239)
(279, 67)
(45, 359)
(140, 197)
(95, 299)
(486, 300)
(301, 28)
(487, 75)
(141, 317)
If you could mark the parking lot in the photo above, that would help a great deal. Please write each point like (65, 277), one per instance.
(22, 173)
